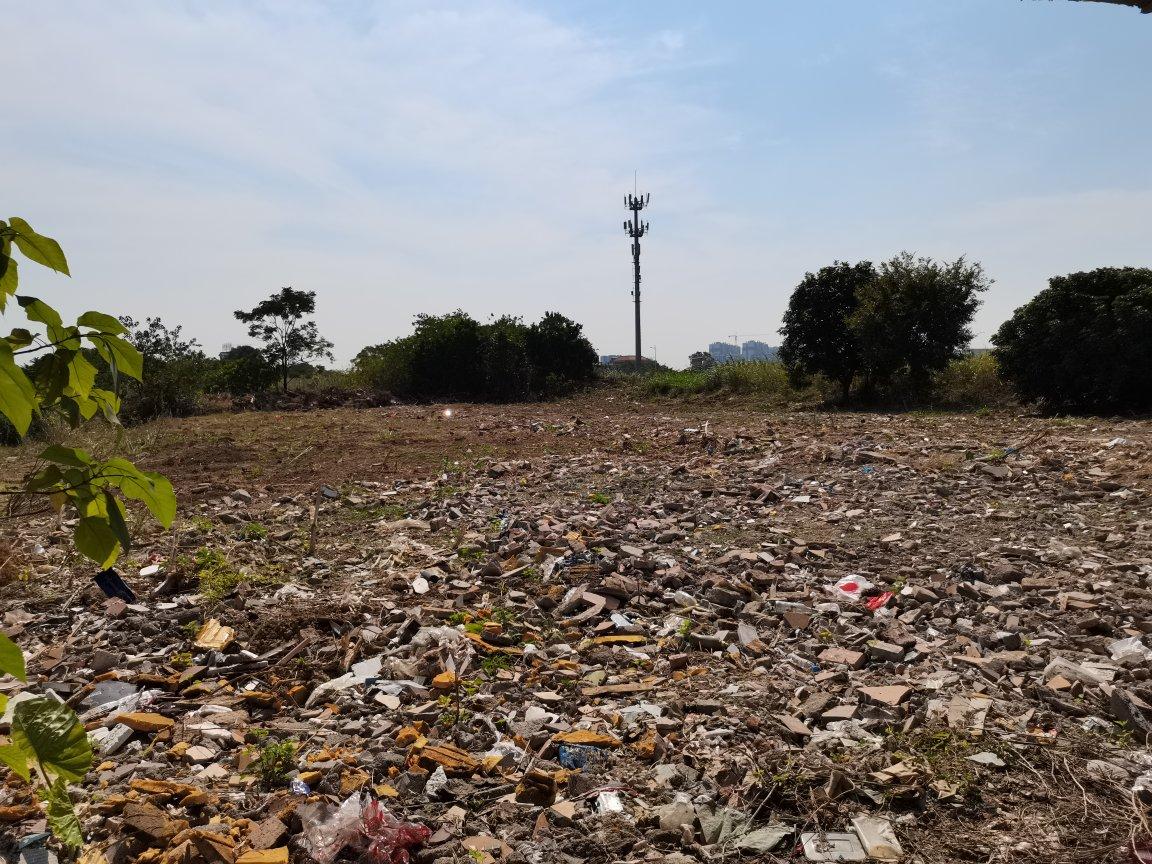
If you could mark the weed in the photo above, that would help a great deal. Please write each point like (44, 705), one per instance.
(495, 663)
(503, 614)
(599, 497)
(202, 524)
(274, 763)
(254, 531)
(471, 555)
(686, 627)
(217, 576)
(192, 628)
(181, 660)
(459, 618)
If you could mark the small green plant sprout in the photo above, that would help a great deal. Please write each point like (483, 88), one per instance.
(275, 763)
(254, 531)
(495, 663)
(600, 498)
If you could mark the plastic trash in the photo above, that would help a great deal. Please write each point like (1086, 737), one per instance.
(299, 787)
(361, 823)
(327, 830)
(577, 756)
(878, 602)
(110, 583)
(609, 801)
(389, 839)
(850, 587)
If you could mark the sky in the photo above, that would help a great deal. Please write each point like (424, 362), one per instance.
(423, 156)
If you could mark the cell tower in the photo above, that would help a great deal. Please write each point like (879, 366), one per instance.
(636, 229)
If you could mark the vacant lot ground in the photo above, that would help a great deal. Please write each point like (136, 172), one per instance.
(490, 586)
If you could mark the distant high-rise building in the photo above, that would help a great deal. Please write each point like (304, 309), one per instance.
(758, 351)
(723, 352)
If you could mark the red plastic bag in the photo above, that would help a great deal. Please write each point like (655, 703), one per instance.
(388, 838)
(879, 601)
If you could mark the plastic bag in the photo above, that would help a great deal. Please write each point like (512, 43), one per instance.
(850, 587)
(328, 830)
(389, 839)
(362, 823)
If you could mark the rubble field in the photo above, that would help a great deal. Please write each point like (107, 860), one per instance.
(603, 631)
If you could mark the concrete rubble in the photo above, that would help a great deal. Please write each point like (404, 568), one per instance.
(759, 638)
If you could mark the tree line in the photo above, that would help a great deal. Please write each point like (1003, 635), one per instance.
(449, 356)
(1084, 344)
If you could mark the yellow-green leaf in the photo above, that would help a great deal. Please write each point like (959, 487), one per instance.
(152, 489)
(14, 758)
(62, 820)
(11, 659)
(9, 277)
(102, 322)
(120, 354)
(73, 456)
(37, 247)
(81, 377)
(17, 395)
(95, 540)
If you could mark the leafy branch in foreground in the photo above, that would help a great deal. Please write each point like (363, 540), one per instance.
(47, 745)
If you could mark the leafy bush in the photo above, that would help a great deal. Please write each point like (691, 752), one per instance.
(908, 319)
(454, 356)
(764, 379)
(176, 373)
(241, 371)
(971, 382)
(1084, 343)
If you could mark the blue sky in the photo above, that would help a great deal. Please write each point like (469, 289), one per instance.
(406, 157)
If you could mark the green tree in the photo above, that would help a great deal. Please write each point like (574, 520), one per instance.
(176, 372)
(242, 371)
(818, 326)
(701, 361)
(1084, 343)
(279, 322)
(560, 355)
(914, 317)
(47, 743)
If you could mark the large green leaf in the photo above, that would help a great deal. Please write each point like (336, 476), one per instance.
(50, 734)
(62, 820)
(81, 376)
(120, 354)
(37, 247)
(38, 310)
(152, 489)
(14, 758)
(17, 395)
(95, 539)
(72, 456)
(102, 322)
(11, 659)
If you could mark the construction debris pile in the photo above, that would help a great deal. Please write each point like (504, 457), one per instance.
(755, 638)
